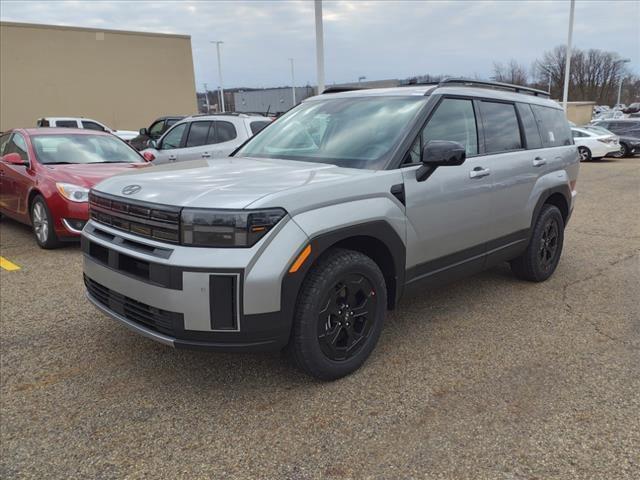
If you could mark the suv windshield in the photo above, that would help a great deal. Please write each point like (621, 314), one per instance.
(348, 132)
(75, 148)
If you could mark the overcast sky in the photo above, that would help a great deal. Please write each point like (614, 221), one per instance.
(376, 39)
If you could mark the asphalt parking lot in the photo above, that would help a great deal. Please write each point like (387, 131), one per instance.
(486, 378)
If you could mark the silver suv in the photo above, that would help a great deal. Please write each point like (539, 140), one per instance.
(318, 224)
(204, 136)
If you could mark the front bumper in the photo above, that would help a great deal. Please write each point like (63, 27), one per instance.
(192, 297)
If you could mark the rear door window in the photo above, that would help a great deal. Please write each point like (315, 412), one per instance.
(66, 123)
(531, 133)
(553, 126)
(198, 133)
(501, 128)
(225, 132)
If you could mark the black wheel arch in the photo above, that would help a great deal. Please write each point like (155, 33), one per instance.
(559, 196)
(376, 239)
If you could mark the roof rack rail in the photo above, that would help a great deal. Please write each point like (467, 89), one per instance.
(342, 89)
(467, 82)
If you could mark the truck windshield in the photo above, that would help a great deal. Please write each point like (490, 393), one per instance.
(348, 132)
(82, 148)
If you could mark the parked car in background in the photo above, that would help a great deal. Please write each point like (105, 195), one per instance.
(154, 131)
(609, 115)
(85, 123)
(633, 108)
(313, 229)
(593, 145)
(46, 174)
(628, 132)
(204, 136)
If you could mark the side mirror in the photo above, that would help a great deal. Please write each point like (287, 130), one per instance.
(14, 159)
(440, 153)
(144, 132)
(153, 144)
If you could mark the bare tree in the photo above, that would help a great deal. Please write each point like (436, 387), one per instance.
(512, 72)
(595, 74)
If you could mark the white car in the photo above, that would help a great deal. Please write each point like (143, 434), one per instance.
(594, 142)
(204, 137)
(88, 123)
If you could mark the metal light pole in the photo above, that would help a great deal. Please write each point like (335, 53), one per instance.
(218, 43)
(319, 46)
(567, 67)
(293, 83)
(624, 60)
(548, 69)
(206, 98)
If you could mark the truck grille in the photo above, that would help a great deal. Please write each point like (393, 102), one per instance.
(155, 318)
(150, 220)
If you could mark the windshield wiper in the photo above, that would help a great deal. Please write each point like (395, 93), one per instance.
(59, 163)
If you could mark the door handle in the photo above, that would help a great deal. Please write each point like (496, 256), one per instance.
(539, 161)
(479, 172)
(172, 158)
(206, 155)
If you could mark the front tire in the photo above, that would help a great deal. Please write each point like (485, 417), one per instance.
(339, 315)
(42, 223)
(542, 255)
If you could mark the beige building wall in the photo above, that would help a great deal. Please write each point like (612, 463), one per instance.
(580, 113)
(123, 79)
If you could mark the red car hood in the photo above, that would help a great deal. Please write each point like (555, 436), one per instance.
(87, 175)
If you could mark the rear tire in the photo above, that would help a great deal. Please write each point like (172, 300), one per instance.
(542, 255)
(42, 223)
(339, 315)
(584, 153)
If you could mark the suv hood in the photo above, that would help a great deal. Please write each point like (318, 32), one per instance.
(223, 183)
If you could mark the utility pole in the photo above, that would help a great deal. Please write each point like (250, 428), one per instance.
(567, 67)
(319, 46)
(293, 83)
(206, 98)
(221, 90)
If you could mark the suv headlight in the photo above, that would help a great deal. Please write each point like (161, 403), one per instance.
(75, 193)
(227, 228)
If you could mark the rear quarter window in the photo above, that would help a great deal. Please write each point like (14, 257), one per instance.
(531, 133)
(553, 126)
(257, 126)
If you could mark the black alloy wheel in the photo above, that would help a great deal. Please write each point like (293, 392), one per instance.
(346, 319)
(549, 244)
(339, 314)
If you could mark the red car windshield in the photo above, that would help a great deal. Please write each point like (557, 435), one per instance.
(82, 148)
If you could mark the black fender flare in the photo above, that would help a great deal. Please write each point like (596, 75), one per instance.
(379, 230)
(564, 190)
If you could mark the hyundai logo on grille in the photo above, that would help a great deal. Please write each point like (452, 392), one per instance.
(131, 189)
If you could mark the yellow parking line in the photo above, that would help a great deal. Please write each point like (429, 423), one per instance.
(7, 265)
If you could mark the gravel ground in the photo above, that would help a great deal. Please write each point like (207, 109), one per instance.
(487, 378)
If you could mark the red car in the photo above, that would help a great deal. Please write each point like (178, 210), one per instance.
(46, 174)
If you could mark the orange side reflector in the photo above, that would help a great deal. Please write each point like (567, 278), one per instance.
(300, 260)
